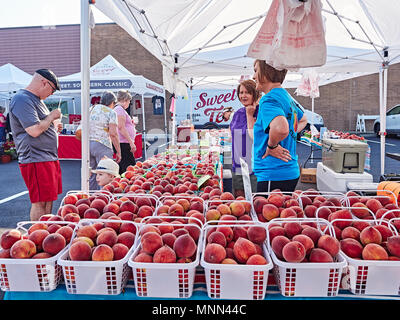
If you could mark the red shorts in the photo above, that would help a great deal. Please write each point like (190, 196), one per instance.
(43, 180)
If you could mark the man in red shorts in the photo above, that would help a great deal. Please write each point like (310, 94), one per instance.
(34, 129)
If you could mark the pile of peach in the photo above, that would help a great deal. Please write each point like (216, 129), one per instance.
(168, 242)
(130, 207)
(235, 244)
(42, 241)
(101, 241)
(225, 208)
(302, 242)
(361, 240)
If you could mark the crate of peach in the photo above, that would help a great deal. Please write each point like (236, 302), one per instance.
(225, 207)
(181, 206)
(306, 257)
(96, 259)
(29, 254)
(165, 260)
(235, 260)
(372, 251)
(276, 204)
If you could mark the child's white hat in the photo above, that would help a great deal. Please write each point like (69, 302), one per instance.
(107, 165)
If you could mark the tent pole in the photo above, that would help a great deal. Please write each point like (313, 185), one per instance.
(144, 129)
(165, 118)
(383, 95)
(85, 91)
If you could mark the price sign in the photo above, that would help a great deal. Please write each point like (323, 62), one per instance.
(203, 180)
(246, 179)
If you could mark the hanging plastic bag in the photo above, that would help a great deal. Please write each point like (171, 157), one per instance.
(308, 86)
(292, 36)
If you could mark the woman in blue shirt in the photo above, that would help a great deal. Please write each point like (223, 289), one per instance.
(275, 131)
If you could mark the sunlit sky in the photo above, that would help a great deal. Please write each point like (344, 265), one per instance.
(18, 13)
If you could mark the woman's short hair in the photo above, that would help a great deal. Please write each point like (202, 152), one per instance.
(107, 98)
(123, 95)
(250, 86)
(269, 72)
(2, 109)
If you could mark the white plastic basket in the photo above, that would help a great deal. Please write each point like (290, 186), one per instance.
(31, 275)
(373, 277)
(236, 281)
(308, 279)
(326, 194)
(164, 280)
(95, 277)
(210, 203)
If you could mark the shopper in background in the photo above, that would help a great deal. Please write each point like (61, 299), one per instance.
(106, 171)
(242, 142)
(126, 131)
(103, 133)
(275, 132)
(34, 130)
(3, 126)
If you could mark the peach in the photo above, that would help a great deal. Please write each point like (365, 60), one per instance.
(42, 255)
(212, 214)
(270, 211)
(168, 239)
(310, 210)
(149, 228)
(126, 238)
(164, 255)
(103, 252)
(87, 231)
(277, 245)
(239, 231)
(184, 203)
(143, 257)
(360, 225)
(227, 231)
(129, 206)
(85, 239)
(393, 245)
(179, 232)
(111, 207)
(237, 209)
(5, 253)
(276, 231)
(288, 213)
(373, 251)
(37, 238)
(294, 251)
(217, 237)
(107, 237)
(214, 253)
(351, 248)
(197, 218)
(292, 228)
(225, 219)
(223, 209)
(176, 210)
(350, 232)
(313, 233)
(72, 217)
(227, 196)
(276, 199)
(228, 261)
(243, 249)
(185, 246)
(256, 234)
(259, 203)
(9, 237)
(53, 243)
(306, 241)
(119, 251)
(127, 227)
(23, 249)
(193, 231)
(384, 231)
(37, 226)
(82, 208)
(329, 244)
(145, 211)
(91, 213)
(323, 212)
(256, 259)
(150, 242)
(374, 205)
(340, 214)
(68, 208)
(370, 235)
(113, 225)
(320, 255)
(99, 204)
(197, 205)
(361, 211)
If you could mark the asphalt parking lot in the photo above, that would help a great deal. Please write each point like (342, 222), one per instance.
(17, 209)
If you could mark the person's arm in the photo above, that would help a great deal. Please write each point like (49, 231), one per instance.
(302, 123)
(124, 132)
(37, 129)
(278, 131)
(115, 139)
(250, 120)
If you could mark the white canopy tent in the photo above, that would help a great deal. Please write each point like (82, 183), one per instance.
(177, 32)
(109, 74)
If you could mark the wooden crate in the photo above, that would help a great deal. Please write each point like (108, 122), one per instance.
(308, 175)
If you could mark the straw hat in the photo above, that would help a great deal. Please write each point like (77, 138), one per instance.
(107, 165)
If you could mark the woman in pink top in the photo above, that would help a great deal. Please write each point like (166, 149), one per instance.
(126, 131)
(2, 126)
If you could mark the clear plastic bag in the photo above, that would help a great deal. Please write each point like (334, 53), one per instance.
(292, 36)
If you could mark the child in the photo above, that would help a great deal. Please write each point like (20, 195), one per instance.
(106, 171)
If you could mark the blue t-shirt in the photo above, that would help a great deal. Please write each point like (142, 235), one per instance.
(277, 102)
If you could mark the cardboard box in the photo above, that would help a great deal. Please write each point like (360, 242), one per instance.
(308, 175)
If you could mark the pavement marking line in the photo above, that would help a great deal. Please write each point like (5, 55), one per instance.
(13, 197)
